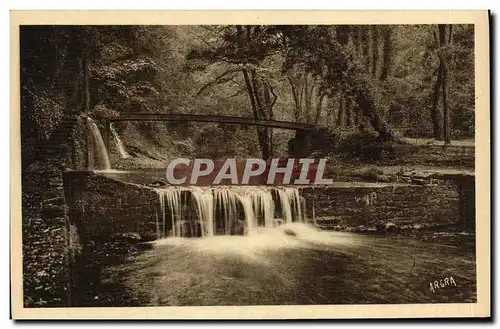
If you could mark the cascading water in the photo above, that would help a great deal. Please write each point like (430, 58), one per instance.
(263, 206)
(203, 200)
(101, 159)
(170, 208)
(291, 204)
(228, 207)
(225, 210)
(119, 144)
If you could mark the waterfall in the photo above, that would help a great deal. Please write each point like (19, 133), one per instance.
(263, 206)
(203, 200)
(170, 206)
(119, 144)
(291, 204)
(101, 159)
(206, 211)
(228, 205)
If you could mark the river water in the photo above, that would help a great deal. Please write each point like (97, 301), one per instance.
(290, 265)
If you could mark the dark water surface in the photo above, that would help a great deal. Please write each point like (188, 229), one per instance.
(292, 264)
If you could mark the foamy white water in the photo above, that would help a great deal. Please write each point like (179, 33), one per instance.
(226, 210)
(101, 158)
(286, 236)
(119, 144)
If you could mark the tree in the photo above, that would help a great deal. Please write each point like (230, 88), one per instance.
(308, 94)
(317, 48)
(387, 50)
(442, 38)
(243, 49)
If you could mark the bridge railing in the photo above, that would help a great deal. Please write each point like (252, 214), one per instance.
(204, 118)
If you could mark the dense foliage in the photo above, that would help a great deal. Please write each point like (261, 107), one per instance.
(384, 78)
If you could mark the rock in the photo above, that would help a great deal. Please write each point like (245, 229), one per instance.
(361, 228)
(238, 228)
(53, 201)
(278, 222)
(290, 232)
(385, 178)
(51, 195)
(158, 183)
(420, 181)
(128, 236)
(391, 227)
(188, 229)
(55, 182)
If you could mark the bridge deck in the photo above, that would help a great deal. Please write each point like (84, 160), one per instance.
(212, 118)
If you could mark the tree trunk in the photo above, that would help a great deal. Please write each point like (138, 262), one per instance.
(444, 68)
(375, 47)
(364, 41)
(360, 91)
(369, 50)
(361, 94)
(355, 35)
(307, 98)
(319, 108)
(342, 32)
(356, 117)
(341, 113)
(86, 84)
(387, 52)
(435, 113)
(446, 114)
(296, 99)
(263, 132)
(255, 103)
(269, 103)
(348, 109)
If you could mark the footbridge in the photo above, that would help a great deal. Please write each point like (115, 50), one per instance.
(301, 127)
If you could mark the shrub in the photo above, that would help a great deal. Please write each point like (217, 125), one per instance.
(366, 145)
(100, 112)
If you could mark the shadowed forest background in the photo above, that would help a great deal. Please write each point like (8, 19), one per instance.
(386, 100)
(360, 84)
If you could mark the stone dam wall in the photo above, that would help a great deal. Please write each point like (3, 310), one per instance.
(101, 207)
(373, 206)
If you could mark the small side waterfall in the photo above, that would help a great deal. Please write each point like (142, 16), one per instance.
(119, 144)
(101, 159)
(207, 211)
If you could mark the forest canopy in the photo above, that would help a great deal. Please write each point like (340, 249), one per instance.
(413, 80)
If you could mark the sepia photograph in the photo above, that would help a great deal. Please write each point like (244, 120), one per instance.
(250, 161)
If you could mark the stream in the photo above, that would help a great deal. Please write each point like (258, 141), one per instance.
(291, 264)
